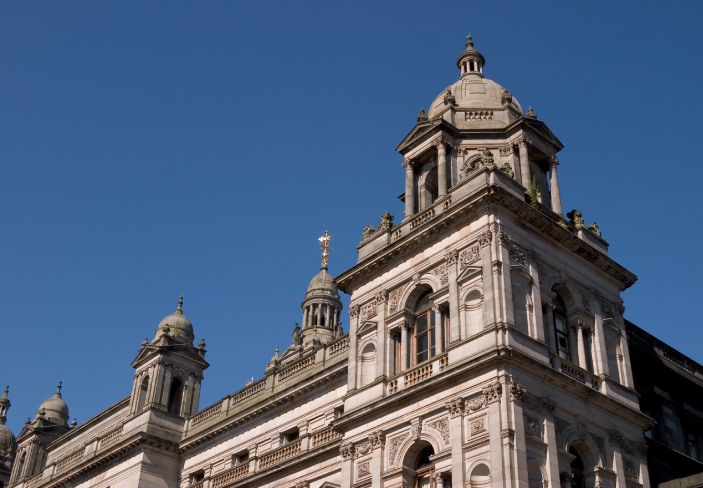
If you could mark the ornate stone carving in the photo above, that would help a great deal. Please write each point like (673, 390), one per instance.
(363, 448)
(533, 427)
(455, 407)
(347, 450)
(477, 426)
(594, 228)
(354, 311)
(478, 115)
(422, 116)
(407, 163)
(395, 296)
(560, 426)
(416, 429)
(506, 150)
(441, 273)
(363, 469)
(598, 441)
(368, 232)
(449, 99)
(508, 170)
(543, 405)
(487, 159)
(442, 426)
(302, 484)
(381, 296)
(493, 392)
(386, 222)
(377, 439)
(586, 301)
(469, 255)
(576, 218)
(506, 98)
(522, 141)
(451, 257)
(485, 238)
(394, 445)
(531, 114)
(369, 310)
(517, 392)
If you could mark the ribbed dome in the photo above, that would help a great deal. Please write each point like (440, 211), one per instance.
(178, 325)
(323, 281)
(7, 439)
(54, 408)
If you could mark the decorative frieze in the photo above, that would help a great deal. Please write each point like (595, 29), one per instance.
(395, 296)
(451, 257)
(478, 116)
(363, 469)
(441, 425)
(560, 425)
(455, 407)
(485, 238)
(353, 311)
(543, 405)
(477, 426)
(394, 446)
(469, 256)
(441, 273)
(533, 427)
(369, 310)
(346, 450)
(363, 448)
(377, 439)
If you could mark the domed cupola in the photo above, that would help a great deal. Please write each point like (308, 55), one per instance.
(175, 326)
(321, 305)
(470, 61)
(8, 444)
(54, 409)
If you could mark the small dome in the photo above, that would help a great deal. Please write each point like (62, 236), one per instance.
(54, 408)
(178, 325)
(7, 439)
(323, 282)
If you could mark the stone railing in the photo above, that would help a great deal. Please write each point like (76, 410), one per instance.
(423, 218)
(199, 484)
(447, 202)
(420, 373)
(281, 454)
(110, 438)
(323, 437)
(205, 414)
(572, 372)
(575, 372)
(32, 482)
(338, 347)
(296, 369)
(230, 475)
(248, 392)
(392, 386)
(443, 362)
(68, 460)
(397, 234)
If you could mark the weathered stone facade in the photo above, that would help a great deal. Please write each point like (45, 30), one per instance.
(487, 346)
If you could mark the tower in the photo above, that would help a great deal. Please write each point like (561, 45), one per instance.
(170, 369)
(8, 444)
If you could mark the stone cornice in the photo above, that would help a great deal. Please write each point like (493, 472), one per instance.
(91, 422)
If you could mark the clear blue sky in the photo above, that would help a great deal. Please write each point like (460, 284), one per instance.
(153, 149)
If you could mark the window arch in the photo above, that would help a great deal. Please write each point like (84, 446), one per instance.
(534, 475)
(473, 305)
(424, 343)
(429, 187)
(577, 468)
(521, 310)
(175, 396)
(561, 329)
(143, 393)
(480, 476)
(368, 363)
(424, 468)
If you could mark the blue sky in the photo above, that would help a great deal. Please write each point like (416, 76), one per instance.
(153, 149)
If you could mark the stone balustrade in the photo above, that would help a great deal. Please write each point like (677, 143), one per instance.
(323, 437)
(297, 368)
(575, 372)
(422, 218)
(110, 438)
(70, 459)
(231, 475)
(417, 374)
(281, 454)
(205, 415)
(248, 392)
(392, 386)
(338, 347)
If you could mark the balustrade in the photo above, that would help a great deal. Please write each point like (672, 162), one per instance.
(281, 454)
(338, 347)
(420, 373)
(249, 392)
(69, 459)
(323, 437)
(110, 438)
(423, 218)
(205, 414)
(230, 475)
(296, 369)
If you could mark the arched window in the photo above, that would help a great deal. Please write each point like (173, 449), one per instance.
(577, 479)
(473, 305)
(429, 189)
(534, 476)
(20, 468)
(424, 468)
(368, 364)
(480, 476)
(175, 397)
(611, 349)
(143, 393)
(561, 332)
(425, 342)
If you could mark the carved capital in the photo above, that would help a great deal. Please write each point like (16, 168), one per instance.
(485, 238)
(347, 451)
(522, 141)
(354, 311)
(408, 164)
(377, 439)
(382, 296)
(493, 392)
(407, 325)
(455, 407)
(451, 257)
(517, 392)
(416, 429)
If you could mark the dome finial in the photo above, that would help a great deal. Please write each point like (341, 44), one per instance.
(4, 394)
(325, 245)
(58, 390)
(180, 305)
(469, 44)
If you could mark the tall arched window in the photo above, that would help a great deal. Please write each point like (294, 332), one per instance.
(473, 305)
(143, 392)
(611, 349)
(175, 397)
(425, 341)
(521, 310)
(561, 332)
(368, 364)
(424, 468)
(577, 468)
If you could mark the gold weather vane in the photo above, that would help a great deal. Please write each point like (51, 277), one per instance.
(325, 245)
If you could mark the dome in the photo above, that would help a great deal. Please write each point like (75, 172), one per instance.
(486, 99)
(178, 325)
(7, 440)
(323, 282)
(54, 408)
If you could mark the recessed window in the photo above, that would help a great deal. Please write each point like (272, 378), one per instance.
(290, 436)
(425, 340)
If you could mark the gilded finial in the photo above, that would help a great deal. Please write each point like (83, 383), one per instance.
(325, 245)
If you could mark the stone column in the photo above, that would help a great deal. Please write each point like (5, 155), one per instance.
(353, 345)
(377, 441)
(616, 438)
(517, 393)
(319, 312)
(451, 258)
(438, 480)
(489, 299)
(347, 452)
(552, 461)
(581, 343)
(492, 396)
(524, 161)
(554, 183)
(439, 329)
(456, 432)
(441, 168)
(305, 317)
(409, 188)
(381, 335)
(550, 327)
(404, 343)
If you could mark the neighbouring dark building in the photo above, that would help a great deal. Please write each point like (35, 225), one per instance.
(671, 389)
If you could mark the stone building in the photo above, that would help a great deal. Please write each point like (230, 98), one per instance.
(486, 346)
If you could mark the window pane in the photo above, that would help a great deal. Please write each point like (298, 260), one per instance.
(432, 314)
(421, 324)
(432, 343)
(559, 323)
(421, 348)
(423, 482)
(424, 303)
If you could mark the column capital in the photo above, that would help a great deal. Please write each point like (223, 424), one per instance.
(408, 164)
(381, 296)
(354, 311)
(451, 257)
(517, 391)
(553, 161)
(455, 407)
(377, 439)
(485, 238)
(522, 141)
(347, 451)
(492, 392)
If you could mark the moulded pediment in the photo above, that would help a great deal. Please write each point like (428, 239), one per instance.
(518, 271)
(469, 272)
(367, 327)
(417, 132)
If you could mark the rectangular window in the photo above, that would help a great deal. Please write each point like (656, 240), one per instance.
(562, 337)
(425, 341)
(588, 339)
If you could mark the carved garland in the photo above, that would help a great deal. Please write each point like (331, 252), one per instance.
(394, 446)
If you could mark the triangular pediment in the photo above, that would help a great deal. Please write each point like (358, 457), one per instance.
(469, 272)
(417, 133)
(541, 129)
(184, 350)
(367, 326)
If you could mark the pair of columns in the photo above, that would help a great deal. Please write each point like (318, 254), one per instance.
(581, 329)
(525, 173)
(309, 313)
(409, 166)
(406, 335)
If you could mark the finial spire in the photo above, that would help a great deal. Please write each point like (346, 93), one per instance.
(4, 394)
(469, 44)
(325, 245)
(180, 305)
(58, 390)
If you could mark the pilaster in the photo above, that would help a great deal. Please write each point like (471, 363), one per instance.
(381, 333)
(353, 345)
(495, 434)
(517, 393)
(377, 441)
(456, 433)
(451, 258)
(347, 453)
(489, 316)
